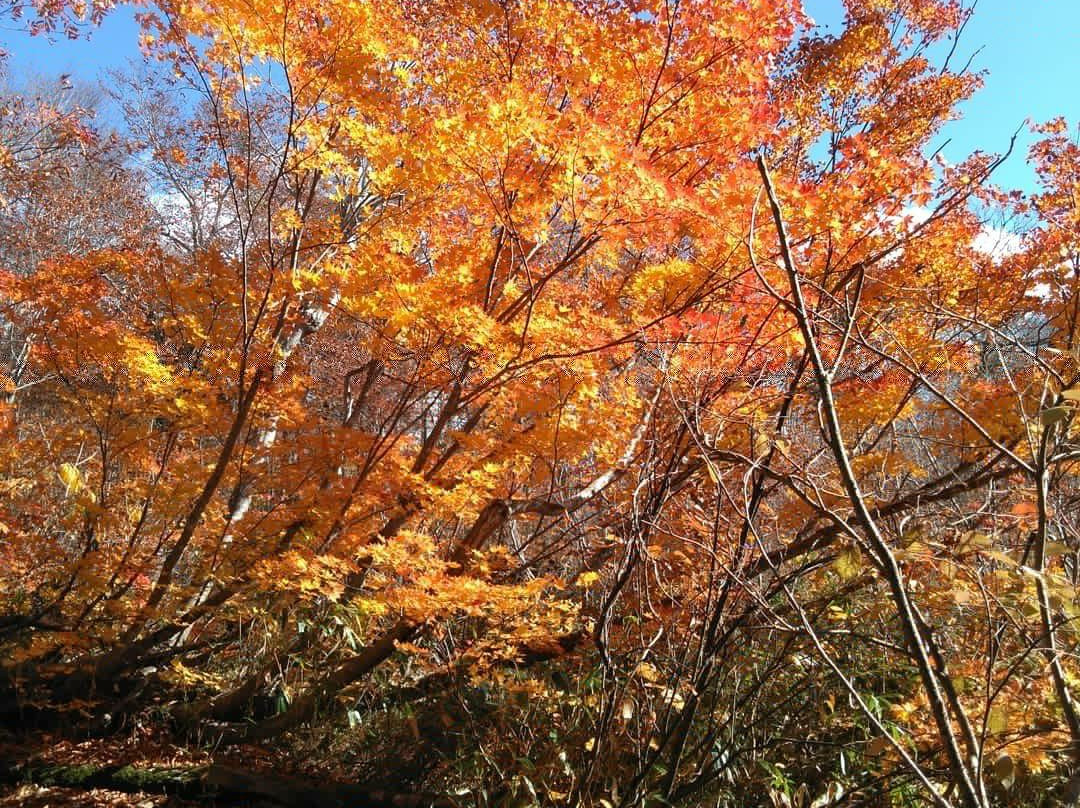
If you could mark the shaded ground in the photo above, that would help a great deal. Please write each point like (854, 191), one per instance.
(31, 796)
(145, 770)
(139, 749)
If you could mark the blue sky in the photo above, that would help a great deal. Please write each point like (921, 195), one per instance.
(1031, 50)
(110, 46)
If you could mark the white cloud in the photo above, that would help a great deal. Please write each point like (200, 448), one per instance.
(997, 242)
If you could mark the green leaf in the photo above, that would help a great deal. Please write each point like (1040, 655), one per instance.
(998, 720)
(1053, 415)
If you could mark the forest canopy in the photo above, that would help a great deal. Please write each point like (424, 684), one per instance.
(596, 403)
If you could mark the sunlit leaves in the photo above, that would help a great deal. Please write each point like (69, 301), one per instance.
(467, 347)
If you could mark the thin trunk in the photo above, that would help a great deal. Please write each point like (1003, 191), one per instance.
(971, 792)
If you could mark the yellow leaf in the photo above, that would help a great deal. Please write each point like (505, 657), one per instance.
(647, 672)
(71, 477)
(998, 720)
(587, 579)
(962, 596)
(713, 475)
(847, 563)
(1054, 549)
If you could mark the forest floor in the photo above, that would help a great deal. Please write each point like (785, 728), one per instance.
(33, 796)
(145, 768)
(143, 751)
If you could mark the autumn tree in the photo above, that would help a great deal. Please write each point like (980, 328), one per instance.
(578, 403)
